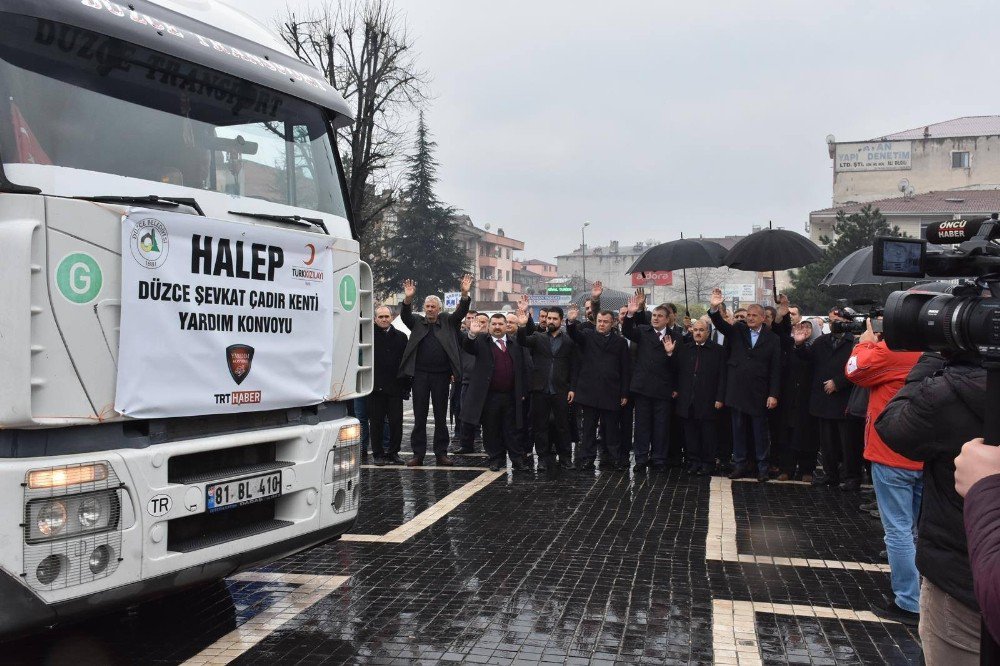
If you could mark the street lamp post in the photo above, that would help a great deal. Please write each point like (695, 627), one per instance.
(583, 238)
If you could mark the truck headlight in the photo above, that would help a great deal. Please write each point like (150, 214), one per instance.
(90, 512)
(51, 518)
(72, 515)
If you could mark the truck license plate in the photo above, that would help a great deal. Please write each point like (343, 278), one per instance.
(238, 492)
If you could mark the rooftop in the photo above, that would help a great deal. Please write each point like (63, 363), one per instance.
(944, 202)
(635, 249)
(965, 126)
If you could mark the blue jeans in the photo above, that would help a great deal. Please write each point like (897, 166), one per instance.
(761, 439)
(898, 492)
(361, 414)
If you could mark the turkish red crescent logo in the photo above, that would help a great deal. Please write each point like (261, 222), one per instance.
(312, 254)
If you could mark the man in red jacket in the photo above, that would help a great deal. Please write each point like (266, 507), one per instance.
(898, 481)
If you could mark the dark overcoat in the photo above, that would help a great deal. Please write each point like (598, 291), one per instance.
(482, 374)
(699, 390)
(603, 379)
(828, 355)
(754, 372)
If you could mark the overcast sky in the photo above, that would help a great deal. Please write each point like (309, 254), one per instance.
(652, 118)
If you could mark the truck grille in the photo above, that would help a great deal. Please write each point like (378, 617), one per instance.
(210, 529)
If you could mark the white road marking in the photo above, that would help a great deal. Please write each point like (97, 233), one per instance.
(432, 514)
(734, 629)
(311, 589)
(720, 541)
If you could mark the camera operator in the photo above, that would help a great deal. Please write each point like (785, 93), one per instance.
(977, 479)
(898, 481)
(828, 399)
(940, 407)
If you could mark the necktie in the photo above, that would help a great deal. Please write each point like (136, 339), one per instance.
(502, 343)
(697, 360)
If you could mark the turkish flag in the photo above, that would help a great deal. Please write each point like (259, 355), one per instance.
(28, 149)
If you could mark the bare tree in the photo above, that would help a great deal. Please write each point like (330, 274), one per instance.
(364, 50)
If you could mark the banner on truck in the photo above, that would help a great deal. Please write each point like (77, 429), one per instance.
(219, 317)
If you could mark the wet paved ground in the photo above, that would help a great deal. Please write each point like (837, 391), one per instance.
(589, 569)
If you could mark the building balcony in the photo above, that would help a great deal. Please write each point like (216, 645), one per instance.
(487, 285)
(495, 262)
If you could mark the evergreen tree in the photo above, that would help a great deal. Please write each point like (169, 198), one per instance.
(851, 232)
(424, 246)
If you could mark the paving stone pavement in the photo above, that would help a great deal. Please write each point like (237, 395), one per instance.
(597, 568)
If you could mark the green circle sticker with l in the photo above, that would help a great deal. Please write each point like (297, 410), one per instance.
(348, 292)
(79, 278)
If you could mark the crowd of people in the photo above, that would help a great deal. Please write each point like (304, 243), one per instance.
(759, 392)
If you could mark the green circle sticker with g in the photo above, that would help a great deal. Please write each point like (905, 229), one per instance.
(79, 278)
(348, 292)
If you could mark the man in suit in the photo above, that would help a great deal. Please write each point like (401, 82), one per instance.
(553, 354)
(496, 391)
(431, 359)
(652, 386)
(386, 399)
(700, 392)
(466, 432)
(829, 392)
(601, 386)
(753, 382)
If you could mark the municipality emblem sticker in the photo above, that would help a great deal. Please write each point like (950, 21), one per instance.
(150, 243)
(239, 358)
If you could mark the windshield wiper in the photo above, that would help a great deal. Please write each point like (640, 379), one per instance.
(294, 219)
(148, 199)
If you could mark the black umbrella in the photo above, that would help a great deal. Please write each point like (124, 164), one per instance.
(773, 250)
(680, 255)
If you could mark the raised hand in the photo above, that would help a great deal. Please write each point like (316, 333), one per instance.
(782, 306)
(800, 335)
(522, 318)
(715, 300)
(475, 328)
(573, 312)
(640, 295)
(669, 345)
(597, 290)
(523, 303)
(633, 305)
(466, 284)
(409, 290)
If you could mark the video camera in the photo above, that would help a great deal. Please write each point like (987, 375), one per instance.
(857, 322)
(961, 322)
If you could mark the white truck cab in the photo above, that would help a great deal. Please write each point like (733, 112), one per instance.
(183, 114)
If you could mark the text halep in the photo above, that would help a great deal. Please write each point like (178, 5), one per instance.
(225, 258)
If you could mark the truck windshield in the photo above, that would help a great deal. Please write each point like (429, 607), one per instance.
(74, 98)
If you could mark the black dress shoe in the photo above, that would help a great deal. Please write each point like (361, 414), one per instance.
(893, 612)
(640, 468)
(851, 486)
(763, 477)
(519, 465)
(380, 461)
(463, 450)
(494, 465)
(585, 466)
(606, 464)
(394, 459)
(566, 464)
(738, 473)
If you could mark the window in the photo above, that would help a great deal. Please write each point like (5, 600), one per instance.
(121, 109)
(508, 253)
(960, 159)
(508, 275)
